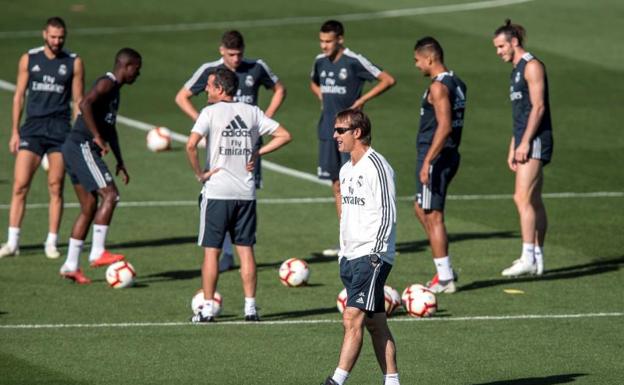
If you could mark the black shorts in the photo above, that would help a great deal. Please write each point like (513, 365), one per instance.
(441, 171)
(542, 147)
(85, 165)
(218, 217)
(364, 278)
(330, 159)
(44, 135)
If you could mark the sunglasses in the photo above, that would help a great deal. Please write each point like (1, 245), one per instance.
(342, 130)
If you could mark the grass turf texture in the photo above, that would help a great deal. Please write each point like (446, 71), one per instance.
(584, 246)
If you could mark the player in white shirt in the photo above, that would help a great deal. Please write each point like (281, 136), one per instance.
(228, 196)
(367, 245)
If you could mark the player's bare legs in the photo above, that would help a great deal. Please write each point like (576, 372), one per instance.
(26, 163)
(210, 271)
(383, 343)
(88, 206)
(353, 323)
(247, 270)
(433, 223)
(527, 197)
(56, 178)
(249, 277)
(110, 196)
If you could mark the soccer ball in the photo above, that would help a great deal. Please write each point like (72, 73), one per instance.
(45, 164)
(294, 272)
(392, 300)
(419, 301)
(197, 303)
(341, 301)
(159, 139)
(120, 274)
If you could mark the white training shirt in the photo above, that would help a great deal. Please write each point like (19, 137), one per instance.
(231, 130)
(368, 219)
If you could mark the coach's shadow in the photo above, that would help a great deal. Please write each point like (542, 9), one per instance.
(300, 313)
(568, 272)
(549, 380)
(422, 245)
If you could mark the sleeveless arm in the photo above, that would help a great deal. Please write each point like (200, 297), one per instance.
(77, 86)
(18, 102)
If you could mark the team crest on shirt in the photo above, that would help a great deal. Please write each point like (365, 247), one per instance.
(331, 74)
(342, 75)
(517, 77)
(62, 70)
(360, 180)
(249, 81)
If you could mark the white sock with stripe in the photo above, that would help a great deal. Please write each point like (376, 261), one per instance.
(13, 237)
(528, 253)
(73, 254)
(340, 376)
(444, 269)
(391, 379)
(98, 239)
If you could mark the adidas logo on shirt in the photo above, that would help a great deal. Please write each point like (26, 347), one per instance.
(236, 128)
(36, 68)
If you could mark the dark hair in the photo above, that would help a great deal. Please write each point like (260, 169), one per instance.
(233, 40)
(430, 44)
(124, 55)
(56, 22)
(357, 119)
(226, 80)
(333, 26)
(511, 30)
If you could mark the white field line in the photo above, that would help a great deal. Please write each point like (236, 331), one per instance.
(314, 200)
(275, 22)
(313, 322)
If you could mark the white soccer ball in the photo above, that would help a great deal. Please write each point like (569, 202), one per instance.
(159, 139)
(419, 301)
(197, 303)
(341, 301)
(294, 272)
(45, 164)
(392, 300)
(120, 274)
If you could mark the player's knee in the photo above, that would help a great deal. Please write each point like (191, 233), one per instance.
(520, 198)
(55, 188)
(111, 196)
(20, 189)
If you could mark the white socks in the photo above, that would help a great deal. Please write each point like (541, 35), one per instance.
(51, 239)
(97, 241)
(13, 238)
(528, 251)
(443, 266)
(250, 306)
(538, 252)
(340, 376)
(73, 253)
(391, 379)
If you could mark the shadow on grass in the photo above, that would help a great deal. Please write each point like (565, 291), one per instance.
(21, 371)
(549, 380)
(592, 268)
(126, 245)
(422, 245)
(299, 313)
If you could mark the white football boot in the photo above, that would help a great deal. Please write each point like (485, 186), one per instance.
(7, 251)
(51, 251)
(520, 267)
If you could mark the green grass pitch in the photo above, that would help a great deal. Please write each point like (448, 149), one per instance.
(480, 336)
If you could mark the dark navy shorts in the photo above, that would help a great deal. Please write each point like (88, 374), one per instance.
(218, 217)
(364, 278)
(330, 159)
(44, 135)
(541, 147)
(441, 171)
(85, 165)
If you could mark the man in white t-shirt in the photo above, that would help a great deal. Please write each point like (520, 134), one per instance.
(228, 196)
(367, 245)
